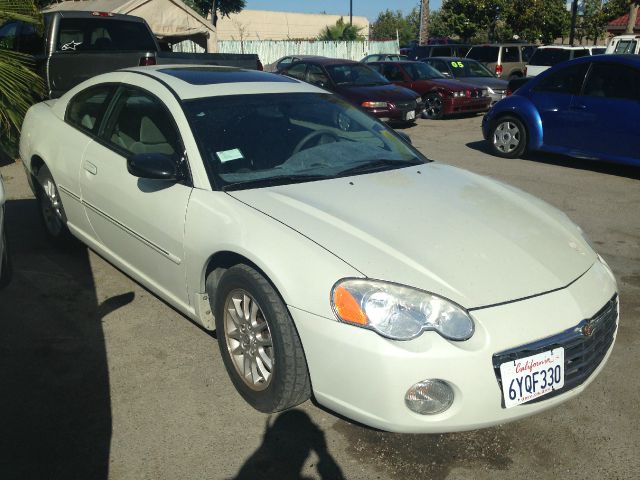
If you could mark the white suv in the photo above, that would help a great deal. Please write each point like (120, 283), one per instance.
(549, 55)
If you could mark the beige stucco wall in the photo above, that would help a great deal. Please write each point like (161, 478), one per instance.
(268, 25)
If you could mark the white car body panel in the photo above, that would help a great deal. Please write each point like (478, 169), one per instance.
(470, 239)
(457, 234)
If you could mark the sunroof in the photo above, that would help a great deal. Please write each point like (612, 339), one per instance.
(210, 76)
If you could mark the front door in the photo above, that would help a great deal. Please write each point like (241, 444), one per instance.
(138, 221)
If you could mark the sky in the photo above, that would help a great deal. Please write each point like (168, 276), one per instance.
(364, 8)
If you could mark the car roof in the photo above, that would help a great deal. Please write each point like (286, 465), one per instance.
(333, 61)
(91, 14)
(197, 81)
(504, 45)
(569, 47)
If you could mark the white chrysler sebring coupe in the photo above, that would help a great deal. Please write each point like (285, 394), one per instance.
(329, 255)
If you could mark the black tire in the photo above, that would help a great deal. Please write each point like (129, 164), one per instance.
(507, 137)
(433, 106)
(52, 213)
(6, 271)
(288, 381)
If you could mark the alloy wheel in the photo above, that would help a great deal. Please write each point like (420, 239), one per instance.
(506, 137)
(51, 207)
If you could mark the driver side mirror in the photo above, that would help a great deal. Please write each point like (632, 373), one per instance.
(154, 166)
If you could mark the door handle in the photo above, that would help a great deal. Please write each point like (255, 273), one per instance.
(91, 168)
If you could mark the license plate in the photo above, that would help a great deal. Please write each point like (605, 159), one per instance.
(410, 115)
(532, 377)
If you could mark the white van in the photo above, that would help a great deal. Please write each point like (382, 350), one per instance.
(547, 56)
(624, 44)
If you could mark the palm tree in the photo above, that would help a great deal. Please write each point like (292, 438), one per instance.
(424, 22)
(341, 31)
(20, 85)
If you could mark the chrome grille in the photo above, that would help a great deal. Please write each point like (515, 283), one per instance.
(406, 105)
(582, 353)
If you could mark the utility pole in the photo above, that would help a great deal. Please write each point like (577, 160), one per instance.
(350, 12)
(423, 37)
(574, 15)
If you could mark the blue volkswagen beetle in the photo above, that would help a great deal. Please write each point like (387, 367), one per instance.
(586, 108)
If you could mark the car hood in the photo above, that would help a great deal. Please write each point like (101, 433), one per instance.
(387, 93)
(468, 238)
(495, 83)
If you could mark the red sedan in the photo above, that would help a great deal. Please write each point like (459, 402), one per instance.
(442, 97)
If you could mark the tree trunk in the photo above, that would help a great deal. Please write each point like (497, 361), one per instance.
(424, 23)
(633, 15)
(214, 12)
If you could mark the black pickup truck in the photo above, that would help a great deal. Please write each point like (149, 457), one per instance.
(74, 46)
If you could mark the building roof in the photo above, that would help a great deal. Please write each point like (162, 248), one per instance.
(620, 23)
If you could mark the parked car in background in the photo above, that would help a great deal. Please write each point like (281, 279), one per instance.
(332, 258)
(76, 45)
(550, 55)
(361, 85)
(442, 97)
(622, 44)
(506, 60)
(382, 57)
(586, 108)
(284, 62)
(5, 261)
(515, 83)
(470, 72)
(438, 50)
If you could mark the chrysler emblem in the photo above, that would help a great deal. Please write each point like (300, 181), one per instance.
(587, 330)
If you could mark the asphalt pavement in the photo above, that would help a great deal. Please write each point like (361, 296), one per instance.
(101, 379)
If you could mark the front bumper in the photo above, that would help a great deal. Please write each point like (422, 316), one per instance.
(363, 376)
(399, 113)
(455, 105)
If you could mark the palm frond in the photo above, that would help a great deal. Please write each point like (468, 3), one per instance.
(22, 10)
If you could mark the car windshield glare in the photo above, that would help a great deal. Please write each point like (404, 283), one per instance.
(355, 74)
(249, 141)
(422, 71)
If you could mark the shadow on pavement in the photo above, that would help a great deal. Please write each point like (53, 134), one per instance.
(570, 162)
(55, 411)
(286, 446)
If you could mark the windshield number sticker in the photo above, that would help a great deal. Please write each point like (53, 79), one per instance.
(228, 155)
(457, 64)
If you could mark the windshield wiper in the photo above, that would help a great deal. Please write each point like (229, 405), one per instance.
(379, 165)
(272, 181)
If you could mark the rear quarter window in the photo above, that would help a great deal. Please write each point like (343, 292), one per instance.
(97, 34)
(549, 56)
(86, 109)
(484, 54)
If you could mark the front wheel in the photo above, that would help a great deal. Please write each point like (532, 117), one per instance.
(508, 137)
(433, 107)
(258, 342)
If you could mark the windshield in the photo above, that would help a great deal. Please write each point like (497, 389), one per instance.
(422, 71)
(469, 68)
(484, 54)
(355, 74)
(549, 56)
(251, 141)
(626, 46)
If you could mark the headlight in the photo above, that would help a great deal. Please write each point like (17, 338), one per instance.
(374, 104)
(398, 312)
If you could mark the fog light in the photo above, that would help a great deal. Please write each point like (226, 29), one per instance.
(429, 397)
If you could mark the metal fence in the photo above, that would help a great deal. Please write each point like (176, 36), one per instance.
(271, 50)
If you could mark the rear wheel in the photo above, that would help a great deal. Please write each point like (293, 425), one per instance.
(433, 106)
(258, 342)
(508, 137)
(51, 209)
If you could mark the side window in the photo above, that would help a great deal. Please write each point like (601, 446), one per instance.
(613, 81)
(30, 40)
(527, 53)
(510, 54)
(316, 76)
(8, 35)
(140, 123)
(441, 52)
(392, 73)
(86, 109)
(284, 63)
(580, 53)
(297, 71)
(568, 80)
(441, 66)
